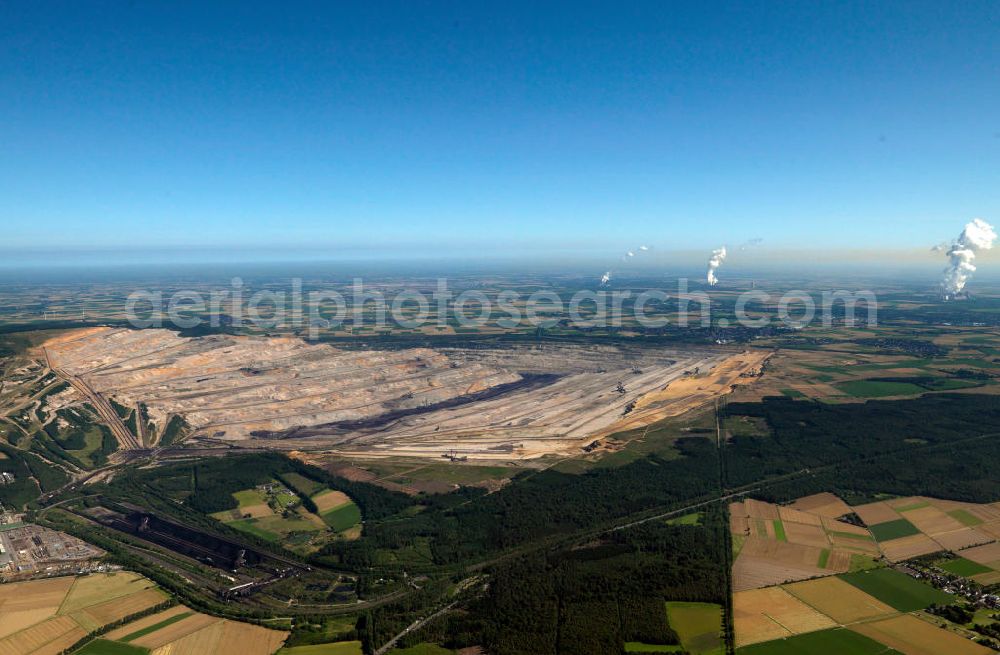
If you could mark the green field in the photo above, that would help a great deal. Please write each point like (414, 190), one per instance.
(302, 484)
(779, 531)
(250, 527)
(963, 567)
(824, 557)
(699, 626)
(339, 648)
(793, 393)
(874, 389)
(104, 647)
(156, 626)
(639, 647)
(250, 497)
(965, 517)
(896, 589)
(694, 518)
(893, 530)
(274, 527)
(849, 535)
(862, 563)
(343, 517)
(835, 641)
(421, 649)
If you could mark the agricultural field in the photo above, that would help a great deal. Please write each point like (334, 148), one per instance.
(879, 388)
(337, 510)
(840, 641)
(182, 631)
(913, 526)
(777, 544)
(851, 369)
(47, 616)
(276, 513)
(890, 530)
(896, 589)
(335, 507)
(105, 647)
(851, 613)
(910, 635)
(964, 567)
(339, 648)
(699, 626)
(795, 542)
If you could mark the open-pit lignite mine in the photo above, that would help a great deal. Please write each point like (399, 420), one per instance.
(497, 402)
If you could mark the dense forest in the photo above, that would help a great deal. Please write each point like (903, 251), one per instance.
(588, 599)
(859, 450)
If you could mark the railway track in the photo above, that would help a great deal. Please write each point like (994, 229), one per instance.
(126, 440)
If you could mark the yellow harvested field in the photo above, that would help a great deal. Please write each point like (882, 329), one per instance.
(199, 634)
(35, 637)
(146, 621)
(992, 577)
(92, 589)
(236, 637)
(832, 525)
(912, 636)
(839, 561)
(118, 608)
(983, 554)
(841, 601)
(61, 643)
(765, 614)
(908, 547)
(984, 513)
(992, 529)
(205, 640)
(175, 631)
(950, 505)
(327, 500)
(824, 504)
(16, 621)
(781, 552)
(758, 509)
(875, 513)
(258, 511)
(964, 538)
(33, 595)
(932, 521)
(809, 535)
(790, 515)
(45, 617)
(756, 572)
(864, 546)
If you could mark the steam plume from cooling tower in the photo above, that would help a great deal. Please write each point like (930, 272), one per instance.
(977, 235)
(627, 257)
(718, 256)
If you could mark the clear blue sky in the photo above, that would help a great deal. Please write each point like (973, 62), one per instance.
(416, 126)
